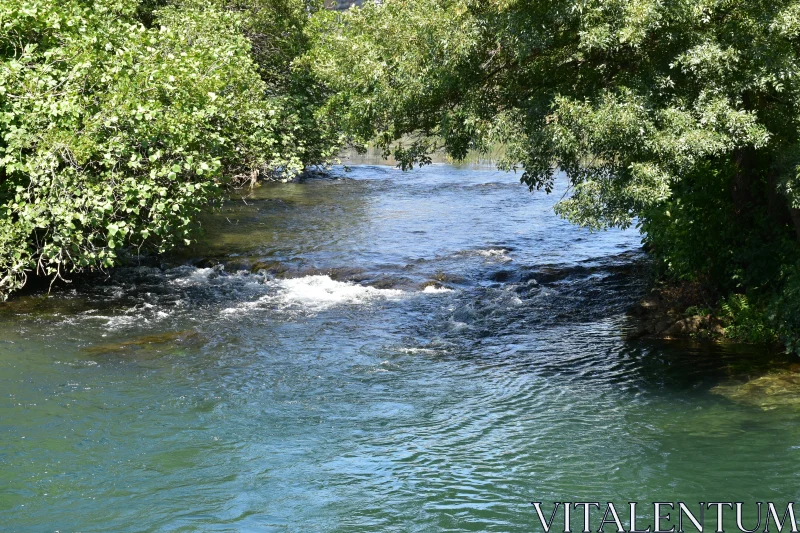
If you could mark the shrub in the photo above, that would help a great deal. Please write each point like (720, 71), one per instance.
(114, 134)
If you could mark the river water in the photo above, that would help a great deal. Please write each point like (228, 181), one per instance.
(375, 351)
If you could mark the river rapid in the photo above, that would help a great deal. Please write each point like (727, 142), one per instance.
(372, 351)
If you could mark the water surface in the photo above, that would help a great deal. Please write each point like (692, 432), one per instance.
(382, 351)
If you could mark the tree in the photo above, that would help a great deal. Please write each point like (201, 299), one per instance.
(120, 120)
(681, 114)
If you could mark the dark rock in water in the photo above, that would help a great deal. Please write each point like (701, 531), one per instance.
(433, 283)
(352, 274)
(548, 275)
(391, 283)
(207, 263)
(502, 276)
(273, 268)
(443, 277)
(343, 274)
(238, 265)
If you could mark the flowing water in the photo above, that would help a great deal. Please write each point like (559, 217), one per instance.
(377, 351)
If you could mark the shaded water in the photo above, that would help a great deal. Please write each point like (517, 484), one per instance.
(427, 351)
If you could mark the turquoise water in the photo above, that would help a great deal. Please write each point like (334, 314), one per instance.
(428, 351)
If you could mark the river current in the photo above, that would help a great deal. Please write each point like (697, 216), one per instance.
(372, 351)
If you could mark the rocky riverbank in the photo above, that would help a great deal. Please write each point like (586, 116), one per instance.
(686, 310)
(676, 311)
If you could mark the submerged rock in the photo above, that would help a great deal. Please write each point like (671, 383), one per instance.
(155, 344)
(771, 391)
(44, 305)
(208, 262)
(351, 274)
(502, 276)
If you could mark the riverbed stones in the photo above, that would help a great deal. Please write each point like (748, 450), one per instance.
(391, 282)
(272, 268)
(672, 326)
(665, 313)
(155, 344)
(771, 391)
(687, 326)
(662, 315)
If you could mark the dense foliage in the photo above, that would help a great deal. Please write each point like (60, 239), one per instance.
(121, 119)
(681, 115)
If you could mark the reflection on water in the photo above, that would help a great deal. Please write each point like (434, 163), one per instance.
(383, 351)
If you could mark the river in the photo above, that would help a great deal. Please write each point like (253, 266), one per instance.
(375, 351)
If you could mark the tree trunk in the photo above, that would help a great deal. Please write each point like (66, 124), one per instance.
(796, 220)
(777, 203)
(741, 181)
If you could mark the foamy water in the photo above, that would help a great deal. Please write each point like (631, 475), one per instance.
(321, 292)
(432, 289)
(314, 294)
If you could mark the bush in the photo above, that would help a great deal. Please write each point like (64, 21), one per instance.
(114, 134)
(744, 257)
(746, 322)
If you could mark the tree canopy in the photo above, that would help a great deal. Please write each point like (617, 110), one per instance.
(626, 97)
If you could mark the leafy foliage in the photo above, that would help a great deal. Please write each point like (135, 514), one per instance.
(277, 31)
(120, 120)
(746, 322)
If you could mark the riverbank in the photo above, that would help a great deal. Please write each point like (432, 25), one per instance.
(685, 310)
(671, 312)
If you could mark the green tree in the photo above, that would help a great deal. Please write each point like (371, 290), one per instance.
(681, 114)
(277, 31)
(120, 120)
